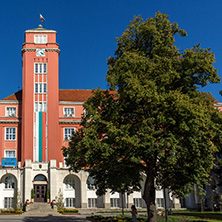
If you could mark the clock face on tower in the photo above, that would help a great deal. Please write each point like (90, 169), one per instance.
(40, 52)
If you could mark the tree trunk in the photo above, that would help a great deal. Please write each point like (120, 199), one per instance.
(202, 204)
(150, 194)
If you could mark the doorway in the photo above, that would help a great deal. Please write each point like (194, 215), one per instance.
(40, 192)
(40, 188)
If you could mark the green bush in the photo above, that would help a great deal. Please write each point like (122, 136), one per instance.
(68, 211)
(12, 211)
(71, 210)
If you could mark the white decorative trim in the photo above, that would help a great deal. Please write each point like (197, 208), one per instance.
(10, 102)
(69, 121)
(70, 103)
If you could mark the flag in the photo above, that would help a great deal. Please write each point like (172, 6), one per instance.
(42, 18)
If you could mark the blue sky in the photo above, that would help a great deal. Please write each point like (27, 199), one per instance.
(86, 32)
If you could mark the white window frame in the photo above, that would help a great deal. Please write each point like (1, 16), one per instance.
(68, 135)
(70, 202)
(41, 88)
(92, 202)
(40, 106)
(40, 39)
(8, 153)
(90, 183)
(12, 135)
(137, 202)
(10, 111)
(8, 202)
(115, 202)
(69, 111)
(160, 202)
(10, 183)
(40, 68)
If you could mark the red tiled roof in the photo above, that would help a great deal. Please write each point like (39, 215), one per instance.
(15, 96)
(74, 95)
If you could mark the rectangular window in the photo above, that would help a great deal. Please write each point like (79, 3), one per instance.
(40, 106)
(8, 202)
(44, 68)
(70, 202)
(36, 107)
(40, 87)
(36, 87)
(137, 202)
(160, 202)
(68, 133)
(92, 202)
(40, 68)
(44, 107)
(44, 87)
(10, 133)
(68, 112)
(114, 202)
(11, 111)
(10, 153)
(40, 39)
(36, 67)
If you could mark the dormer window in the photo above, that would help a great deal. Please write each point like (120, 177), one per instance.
(11, 111)
(40, 39)
(69, 112)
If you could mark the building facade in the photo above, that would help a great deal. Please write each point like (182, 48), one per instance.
(35, 123)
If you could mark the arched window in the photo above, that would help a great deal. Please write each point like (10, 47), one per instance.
(9, 182)
(69, 182)
(40, 177)
(91, 183)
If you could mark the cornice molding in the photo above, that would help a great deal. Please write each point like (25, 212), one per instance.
(34, 49)
(10, 102)
(52, 50)
(28, 50)
(10, 121)
(69, 122)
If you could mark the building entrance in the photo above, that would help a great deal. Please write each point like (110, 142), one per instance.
(40, 192)
(40, 188)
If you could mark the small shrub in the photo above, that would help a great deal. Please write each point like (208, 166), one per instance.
(71, 210)
(12, 211)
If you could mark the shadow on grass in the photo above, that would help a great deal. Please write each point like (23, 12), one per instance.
(204, 215)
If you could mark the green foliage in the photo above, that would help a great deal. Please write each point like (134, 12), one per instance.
(32, 194)
(47, 194)
(59, 200)
(17, 201)
(153, 123)
(12, 212)
(65, 210)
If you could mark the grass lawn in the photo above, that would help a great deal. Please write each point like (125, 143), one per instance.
(206, 216)
(177, 216)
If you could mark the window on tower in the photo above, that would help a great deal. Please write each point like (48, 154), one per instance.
(40, 39)
(40, 68)
(40, 87)
(40, 106)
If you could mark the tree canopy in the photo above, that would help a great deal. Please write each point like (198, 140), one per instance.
(153, 123)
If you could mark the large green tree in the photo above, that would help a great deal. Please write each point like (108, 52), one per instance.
(153, 122)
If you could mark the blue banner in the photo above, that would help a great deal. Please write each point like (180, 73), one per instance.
(7, 161)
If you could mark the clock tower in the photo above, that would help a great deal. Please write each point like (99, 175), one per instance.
(40, 96)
